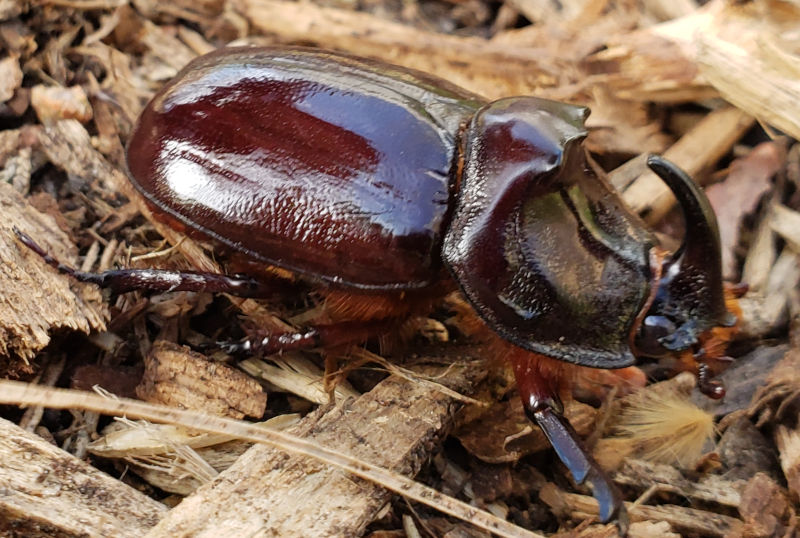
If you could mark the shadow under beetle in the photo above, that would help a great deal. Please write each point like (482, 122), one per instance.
(388, 188)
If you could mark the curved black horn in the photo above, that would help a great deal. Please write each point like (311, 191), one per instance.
(692, 276)
(702, 231)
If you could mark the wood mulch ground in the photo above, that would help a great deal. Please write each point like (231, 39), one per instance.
(713, 87)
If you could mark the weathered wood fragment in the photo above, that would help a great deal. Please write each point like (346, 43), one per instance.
(695, 152)
(47, 492)
(36, 301)
(395, 425)
(53, 103)
(748, 180)
(294, 373)
(653, 64)
(766, 509)
(494, 70)
(504, 434)
(776, 403)
(68, 146)
(174, 458)
(10, 77)
(682, 519)
(786, 223)
(179, 377)
(642, 475)
(765, 309)
(748, 52)
(18, 393)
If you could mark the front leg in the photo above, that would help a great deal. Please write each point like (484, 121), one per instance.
(539, 381)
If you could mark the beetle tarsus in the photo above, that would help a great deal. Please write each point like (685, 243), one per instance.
(267, 343)
(326, 335)
(26, 240)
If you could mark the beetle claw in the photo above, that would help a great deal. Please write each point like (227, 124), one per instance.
(581, 465)
(713, 388)
(234, 347)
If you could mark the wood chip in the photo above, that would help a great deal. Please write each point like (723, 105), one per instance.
(504, 434)
(643, 475)
(10, 77)
(395, 425)
(764, 312)
(622, 126)
(52, 103)
(18, 169)
(766, 509)
(68, 146)
(654, 64)
(294, 373)
(787, 439)
(696, 151)
(685, 521)
(739, 194)
(179, 377)
(670, 9)
(494, 70)
(748, 53)
(36, 300)
(46, 492)
(775, 402)
(786, 223)
(651, 529)
(173, 458)
(761, 256)
(166, 47)
(744, 451)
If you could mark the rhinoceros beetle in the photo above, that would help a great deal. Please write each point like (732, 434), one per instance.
(388, 186)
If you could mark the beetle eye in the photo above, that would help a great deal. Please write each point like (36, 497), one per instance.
(653, 329)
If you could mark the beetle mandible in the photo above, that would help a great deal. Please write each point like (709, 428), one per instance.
(385, 187)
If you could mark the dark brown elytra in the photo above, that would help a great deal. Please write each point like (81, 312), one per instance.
(373, 181)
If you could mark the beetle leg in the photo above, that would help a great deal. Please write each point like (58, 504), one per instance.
(713, 388)
(125, 280)
(323, 335)
(582, 466)
(539, 382)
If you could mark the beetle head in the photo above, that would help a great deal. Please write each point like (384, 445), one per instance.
(689, 298)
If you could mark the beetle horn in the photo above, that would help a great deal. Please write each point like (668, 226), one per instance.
(691, 288)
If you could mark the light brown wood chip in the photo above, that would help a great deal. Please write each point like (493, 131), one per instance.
(36, 300)
(491, 70)
(269, 492)
(178, 377)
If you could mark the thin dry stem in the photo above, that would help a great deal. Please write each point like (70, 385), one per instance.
(17, 393)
